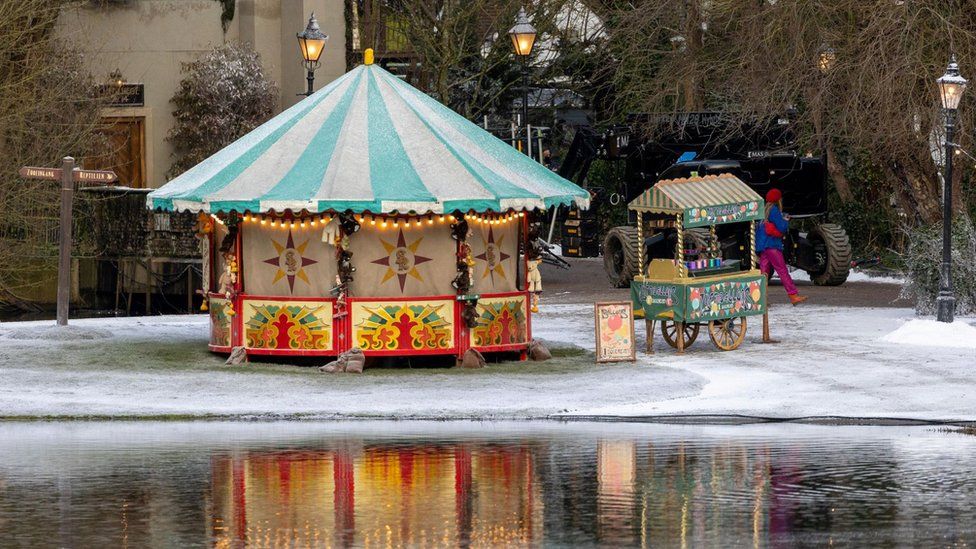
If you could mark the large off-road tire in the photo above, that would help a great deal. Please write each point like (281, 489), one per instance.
(838, 249)
(620, 256)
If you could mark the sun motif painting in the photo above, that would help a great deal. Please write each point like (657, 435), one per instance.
(401, 260)
(493, 256)
(370, 216)
(290, 261)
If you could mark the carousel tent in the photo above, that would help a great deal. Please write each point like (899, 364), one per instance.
(368, 216)
(367, 142)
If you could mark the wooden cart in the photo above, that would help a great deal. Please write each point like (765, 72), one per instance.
(697, 286)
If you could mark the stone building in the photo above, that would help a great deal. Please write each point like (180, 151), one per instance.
(152, 260)
(147, 41)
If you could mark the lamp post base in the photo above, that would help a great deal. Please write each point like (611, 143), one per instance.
(945, 308)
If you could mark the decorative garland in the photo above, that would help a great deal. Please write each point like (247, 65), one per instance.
(533, 258)
(465, 269)
(228, 247)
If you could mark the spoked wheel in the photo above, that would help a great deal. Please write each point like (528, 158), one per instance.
(669, 329)
(727, 334)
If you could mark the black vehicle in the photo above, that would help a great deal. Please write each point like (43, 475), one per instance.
(763, 155)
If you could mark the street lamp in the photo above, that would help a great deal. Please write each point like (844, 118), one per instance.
(312, 42)
(951, 87)
(523, 38)
(826, 58)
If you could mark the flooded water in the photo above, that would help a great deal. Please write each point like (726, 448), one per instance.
(392, 484)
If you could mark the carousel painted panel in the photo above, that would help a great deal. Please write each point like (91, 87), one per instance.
(407, 260)
(494, 249)
(288, 326)
(290, 261)
(502, 322)
(408, 326)
(220, 322)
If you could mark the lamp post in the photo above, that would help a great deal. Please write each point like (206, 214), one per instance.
(523, 38)
(311, 41)
(826, 58)
(951, 87)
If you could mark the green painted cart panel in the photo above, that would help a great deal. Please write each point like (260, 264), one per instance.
(701, 301)
(722, 213)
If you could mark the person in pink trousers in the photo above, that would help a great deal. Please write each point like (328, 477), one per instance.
(769, 244)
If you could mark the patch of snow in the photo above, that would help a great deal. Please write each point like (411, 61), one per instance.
(855, 276)
(932, 333)
(831, 361)
(53, 332)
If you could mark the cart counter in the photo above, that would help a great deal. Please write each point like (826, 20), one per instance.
(701, 299)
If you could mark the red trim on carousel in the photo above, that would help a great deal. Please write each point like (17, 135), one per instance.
(342, 330)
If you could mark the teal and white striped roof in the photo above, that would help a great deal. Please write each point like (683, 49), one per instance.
(367, 142)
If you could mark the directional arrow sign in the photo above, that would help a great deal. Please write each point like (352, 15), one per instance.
(94, 176)
(54, 174)
(30, 172)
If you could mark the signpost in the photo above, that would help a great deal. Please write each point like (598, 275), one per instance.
(69, 175)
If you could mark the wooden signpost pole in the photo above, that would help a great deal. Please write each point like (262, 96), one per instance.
(68, 174)
(64, 245)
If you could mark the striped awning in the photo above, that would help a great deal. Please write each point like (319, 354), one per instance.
(367, 142)
(706, 200)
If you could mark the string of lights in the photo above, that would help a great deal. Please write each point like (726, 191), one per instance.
(381, 221)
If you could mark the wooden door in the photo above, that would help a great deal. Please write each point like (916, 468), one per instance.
(122, 150)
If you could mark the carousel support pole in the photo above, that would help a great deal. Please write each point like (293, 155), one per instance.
(64, 249)
(552, 223)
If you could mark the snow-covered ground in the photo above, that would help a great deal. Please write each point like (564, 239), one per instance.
(830, 362)
(856, 275)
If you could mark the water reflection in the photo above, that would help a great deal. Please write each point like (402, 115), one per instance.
(138, 485)
(377, 496)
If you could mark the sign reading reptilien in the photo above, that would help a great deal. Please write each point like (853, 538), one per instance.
(68, 174)
(615, 331)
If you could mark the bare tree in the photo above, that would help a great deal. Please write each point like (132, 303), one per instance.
(860, 75)
(463, 48)
(49, 108)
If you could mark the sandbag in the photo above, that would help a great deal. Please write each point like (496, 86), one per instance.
(473, 359)
(238, 356)
(538, 351)
(332, 368)
(355, 360)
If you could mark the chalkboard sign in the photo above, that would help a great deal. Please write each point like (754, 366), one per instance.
(614, 331)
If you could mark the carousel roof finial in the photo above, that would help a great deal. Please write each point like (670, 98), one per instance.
(368, 56)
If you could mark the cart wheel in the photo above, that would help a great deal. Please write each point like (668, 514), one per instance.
(670, 332)
(727, 334)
